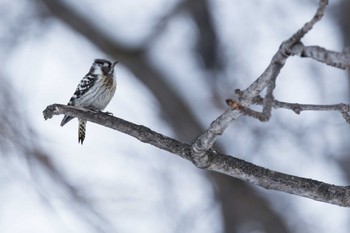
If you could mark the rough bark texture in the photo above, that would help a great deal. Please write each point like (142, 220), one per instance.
(226, 164)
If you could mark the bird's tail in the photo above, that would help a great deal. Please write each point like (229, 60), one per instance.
(81, 131)
(66, 119)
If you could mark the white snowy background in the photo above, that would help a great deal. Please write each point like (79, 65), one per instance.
(140, 188)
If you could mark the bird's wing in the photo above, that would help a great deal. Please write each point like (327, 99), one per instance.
(85, 84)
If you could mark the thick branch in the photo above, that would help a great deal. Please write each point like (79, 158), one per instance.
(268, 179)
(140, 132)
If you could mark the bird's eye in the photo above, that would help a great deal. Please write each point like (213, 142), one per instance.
(105, 64)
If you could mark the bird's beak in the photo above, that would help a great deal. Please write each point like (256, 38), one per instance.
(113, 65)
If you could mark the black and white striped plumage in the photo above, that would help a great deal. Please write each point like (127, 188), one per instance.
(94, 91)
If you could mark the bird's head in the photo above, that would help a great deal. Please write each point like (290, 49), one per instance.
(103, 66)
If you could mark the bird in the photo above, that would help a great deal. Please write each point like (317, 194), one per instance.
(94, 92)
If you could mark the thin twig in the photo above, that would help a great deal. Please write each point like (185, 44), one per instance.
(344, 109)
(309, 25)
(297, 108)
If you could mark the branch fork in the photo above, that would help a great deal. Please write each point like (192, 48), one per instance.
(267, 81)
(214, 160)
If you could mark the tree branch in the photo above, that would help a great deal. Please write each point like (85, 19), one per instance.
(344, 109)
(266, 80)
(339, 60)
(268, 179)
